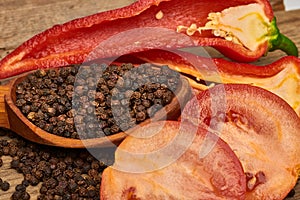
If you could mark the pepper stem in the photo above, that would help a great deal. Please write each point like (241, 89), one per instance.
(280, 41)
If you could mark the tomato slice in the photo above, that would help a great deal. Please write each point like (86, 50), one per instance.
(161, 161)
(260, 127)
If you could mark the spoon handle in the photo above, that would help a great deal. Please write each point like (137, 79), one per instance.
(4, 90)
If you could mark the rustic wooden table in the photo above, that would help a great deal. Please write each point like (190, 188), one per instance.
(20, 20)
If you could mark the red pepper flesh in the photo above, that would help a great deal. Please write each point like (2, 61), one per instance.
(72, 42)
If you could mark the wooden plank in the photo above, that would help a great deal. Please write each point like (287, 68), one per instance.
(20, 20)
(277, 4)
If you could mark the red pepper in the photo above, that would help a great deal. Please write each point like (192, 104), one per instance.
(261, 128)
(281, 77)
(72, 42)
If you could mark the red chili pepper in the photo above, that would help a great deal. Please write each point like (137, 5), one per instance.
(225, 25)
(281, 77)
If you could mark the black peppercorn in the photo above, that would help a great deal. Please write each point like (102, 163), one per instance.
(26, 196)
(17, 195)
(33, 181)
(83, 192)
(43, 189)
(5, 186)
(25, 183)
(20, 188)
(91, 191)
(15, 164)
(291, 193)
(72, 185)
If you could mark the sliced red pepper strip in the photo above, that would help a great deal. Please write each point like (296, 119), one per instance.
(70, 43)
(281, 77)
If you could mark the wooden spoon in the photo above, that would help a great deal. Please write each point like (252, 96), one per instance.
(12, 118)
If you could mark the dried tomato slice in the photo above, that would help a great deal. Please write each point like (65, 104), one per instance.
(142, 169)
(260, 127)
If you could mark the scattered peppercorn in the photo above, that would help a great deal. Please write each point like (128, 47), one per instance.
(291, 193)
(95, 100)
(63, 173)
(5, 186)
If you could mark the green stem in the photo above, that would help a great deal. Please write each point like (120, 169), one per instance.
(285, 44)
(280, 41)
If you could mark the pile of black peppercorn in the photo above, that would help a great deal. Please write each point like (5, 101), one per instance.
(64, 173)
(95, 100)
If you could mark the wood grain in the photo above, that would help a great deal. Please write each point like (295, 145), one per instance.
(4, 89)
(20, 20)
(277, 4)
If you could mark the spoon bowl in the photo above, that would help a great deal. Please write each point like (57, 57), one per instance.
(12, 118)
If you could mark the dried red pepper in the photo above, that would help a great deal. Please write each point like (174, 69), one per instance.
(281, 77)
(224, 25)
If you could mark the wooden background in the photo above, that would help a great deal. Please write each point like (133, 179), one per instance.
(21, 19)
